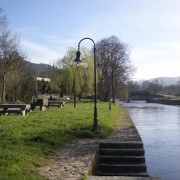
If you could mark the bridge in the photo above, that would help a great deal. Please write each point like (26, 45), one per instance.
(142, 95)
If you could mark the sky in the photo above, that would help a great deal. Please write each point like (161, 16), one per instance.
(151, 28)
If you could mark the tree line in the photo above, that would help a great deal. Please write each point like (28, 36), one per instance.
(18, 78)
(114, 70)
(155, 87)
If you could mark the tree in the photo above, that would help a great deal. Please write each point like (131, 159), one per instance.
(44, 87)
(9, 59)
(153, 87)
(88, 74)
(114, 66)
(145, 85)
(77, 78)
(27, 87)
(20, 82)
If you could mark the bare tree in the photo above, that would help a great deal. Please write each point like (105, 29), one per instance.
(8, 52)
(114, 65)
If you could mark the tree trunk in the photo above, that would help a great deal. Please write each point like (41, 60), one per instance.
(113, 88)
(106, 96)
(4, 89)
(80, 96)
(109, 96)
(74, 89)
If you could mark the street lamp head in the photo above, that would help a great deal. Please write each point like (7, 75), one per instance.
(77, 60)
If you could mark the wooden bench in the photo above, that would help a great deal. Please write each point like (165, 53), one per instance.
(21, 109)
(87, 100)
(58, 104)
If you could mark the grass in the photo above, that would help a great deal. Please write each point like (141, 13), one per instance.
(25, 142)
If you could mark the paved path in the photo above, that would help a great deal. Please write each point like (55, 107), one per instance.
(75, 159)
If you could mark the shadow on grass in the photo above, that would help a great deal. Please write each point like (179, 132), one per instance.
(33, 146)
(56, 138)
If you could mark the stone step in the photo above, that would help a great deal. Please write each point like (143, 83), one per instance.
(126, 145)
(129, 174)
(121, 152)
(121, 159)
(121, 178)
(121, 168)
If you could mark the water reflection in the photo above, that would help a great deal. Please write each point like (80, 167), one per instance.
(159, 127)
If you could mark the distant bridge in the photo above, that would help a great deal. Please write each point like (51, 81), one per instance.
(142, 95)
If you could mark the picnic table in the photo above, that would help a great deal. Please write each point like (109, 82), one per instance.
(21, 109)
(58, 104)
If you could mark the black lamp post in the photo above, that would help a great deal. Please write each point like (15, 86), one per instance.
(2, 57)
(77, 60)
(74, 84)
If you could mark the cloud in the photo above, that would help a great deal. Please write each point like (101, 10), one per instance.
(157, 70)
(163, 52)
(60, 41)
(39, 53)
(157, 60)
(44, 47)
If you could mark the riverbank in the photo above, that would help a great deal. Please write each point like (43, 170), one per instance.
(74, 161)
(28, 141)
(167, 101)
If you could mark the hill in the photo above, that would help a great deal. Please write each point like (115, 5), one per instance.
(42, 70)
(166, 81)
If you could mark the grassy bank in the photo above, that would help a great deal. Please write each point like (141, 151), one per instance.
(166, 100)
(25, 142)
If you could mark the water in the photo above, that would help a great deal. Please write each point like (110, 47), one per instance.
(159, 128)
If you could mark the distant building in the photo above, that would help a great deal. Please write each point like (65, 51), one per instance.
(43, 78)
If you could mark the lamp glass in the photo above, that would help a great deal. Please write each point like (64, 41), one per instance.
(77, 60)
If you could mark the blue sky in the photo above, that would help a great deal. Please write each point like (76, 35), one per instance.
(151, 28)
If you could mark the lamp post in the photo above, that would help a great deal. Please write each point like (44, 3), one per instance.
(74, 84)
(2, 57)
(77, 60)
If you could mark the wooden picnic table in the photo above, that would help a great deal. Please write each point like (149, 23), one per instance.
(59, 104)
(22, 109)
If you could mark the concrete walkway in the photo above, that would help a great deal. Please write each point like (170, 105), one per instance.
(73, 161)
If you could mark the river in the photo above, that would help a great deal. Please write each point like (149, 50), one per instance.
(159, 128)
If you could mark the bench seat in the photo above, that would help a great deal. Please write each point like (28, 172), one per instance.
(58, 104)
(20, 109)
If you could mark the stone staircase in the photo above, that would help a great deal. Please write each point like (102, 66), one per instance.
(121, 159)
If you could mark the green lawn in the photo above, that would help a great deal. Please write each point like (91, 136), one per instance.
(25, 142)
